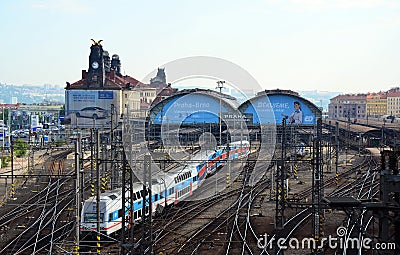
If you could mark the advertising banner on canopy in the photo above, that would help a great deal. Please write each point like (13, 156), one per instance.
(293, 109)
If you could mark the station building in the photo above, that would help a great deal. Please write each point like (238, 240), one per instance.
(189, 114)
(103, 91)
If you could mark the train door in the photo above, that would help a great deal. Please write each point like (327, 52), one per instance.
(176, 196)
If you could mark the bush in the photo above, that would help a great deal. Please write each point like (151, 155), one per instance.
(20, 148)
(59, 143)
(5, 161)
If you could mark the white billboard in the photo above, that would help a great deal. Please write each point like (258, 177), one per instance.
(90, 108)
(34, 121)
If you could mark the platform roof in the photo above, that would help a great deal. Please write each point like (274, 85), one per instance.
(198, 105)
(270, 106)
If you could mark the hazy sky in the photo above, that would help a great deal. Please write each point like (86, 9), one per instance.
(328, 45)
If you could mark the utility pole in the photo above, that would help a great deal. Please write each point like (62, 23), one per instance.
(318, 190)
(146, 246)
(3, 133)
(77, 194)
(220, 86)
(12, 170)
(99, 220)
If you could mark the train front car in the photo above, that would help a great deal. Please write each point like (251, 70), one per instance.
(110, 214)
(200, 163)
(216, 160)
(239, 149)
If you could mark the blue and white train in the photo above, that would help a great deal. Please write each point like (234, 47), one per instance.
(167, 188)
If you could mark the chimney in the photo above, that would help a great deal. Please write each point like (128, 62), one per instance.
(84, 74)
(112, 74)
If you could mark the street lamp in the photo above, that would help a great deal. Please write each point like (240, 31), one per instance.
(220, 85)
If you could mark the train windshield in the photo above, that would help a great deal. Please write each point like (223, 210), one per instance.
(92, 217)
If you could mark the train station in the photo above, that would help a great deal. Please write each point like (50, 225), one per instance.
(147, 168)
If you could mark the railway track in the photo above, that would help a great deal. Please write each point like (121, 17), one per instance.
(221, 223)
(246, 236)
(186, 230)
(36, 220)
(219, 231)
(332, 181)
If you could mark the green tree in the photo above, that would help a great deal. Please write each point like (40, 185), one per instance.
(5, 160)
(20, 148)
(62, 110)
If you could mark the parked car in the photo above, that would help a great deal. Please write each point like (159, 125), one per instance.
(92, 112)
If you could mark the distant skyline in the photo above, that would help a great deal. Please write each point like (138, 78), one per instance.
(349, 46)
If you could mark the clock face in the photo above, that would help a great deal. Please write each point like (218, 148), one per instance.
(95, 65)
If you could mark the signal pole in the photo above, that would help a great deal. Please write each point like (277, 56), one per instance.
(220, 86)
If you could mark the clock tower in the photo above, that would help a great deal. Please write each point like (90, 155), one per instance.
(96, 75)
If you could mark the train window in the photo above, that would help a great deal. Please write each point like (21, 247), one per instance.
(112, 197)
(120, 213)
(156, 197)
(134, 197)
(135, 215)
(138, 194)
(140, 213)
(110, 217)
(90, 217)
(171, 191)
(142, 193)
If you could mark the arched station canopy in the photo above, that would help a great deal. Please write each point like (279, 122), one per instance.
(272, 106)
(193, 106)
